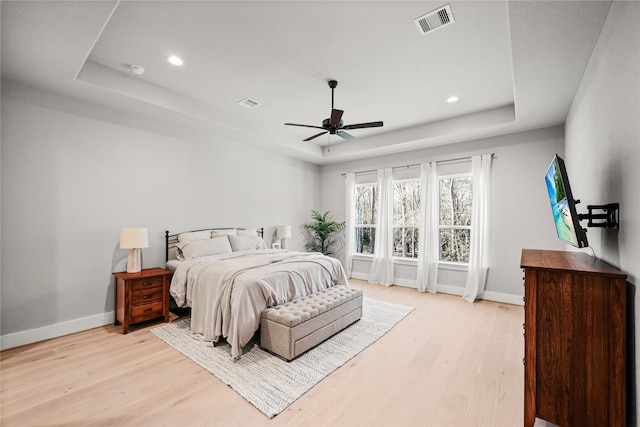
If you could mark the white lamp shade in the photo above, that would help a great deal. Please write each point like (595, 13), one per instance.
(134, 238)
(283, 232)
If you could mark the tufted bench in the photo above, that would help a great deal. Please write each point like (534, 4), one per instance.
(290, 329)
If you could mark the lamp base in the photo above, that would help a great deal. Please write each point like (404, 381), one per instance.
(133, 261)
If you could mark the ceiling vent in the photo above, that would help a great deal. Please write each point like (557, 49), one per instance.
(249, 103)
(435, 20)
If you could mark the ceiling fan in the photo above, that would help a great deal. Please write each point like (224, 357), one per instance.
(334, 124)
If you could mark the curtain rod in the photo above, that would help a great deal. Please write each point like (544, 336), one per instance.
(418, 164)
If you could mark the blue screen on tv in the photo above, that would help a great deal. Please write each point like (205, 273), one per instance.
(564, 214)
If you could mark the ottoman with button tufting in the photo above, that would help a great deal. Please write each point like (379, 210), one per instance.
(290, 329)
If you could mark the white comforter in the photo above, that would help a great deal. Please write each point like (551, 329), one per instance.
(228, 292)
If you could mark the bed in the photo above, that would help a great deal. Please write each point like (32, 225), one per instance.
(227, 277)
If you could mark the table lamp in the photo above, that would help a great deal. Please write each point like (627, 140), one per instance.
(283, 232)
(134, 239)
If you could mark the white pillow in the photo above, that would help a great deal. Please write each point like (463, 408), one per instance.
(246, 243)
(248, 232)
(198, 248)
(194, 235)
(224, 232)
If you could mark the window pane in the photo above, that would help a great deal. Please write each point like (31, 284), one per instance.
(406, 203)
(455, 201)
(366, 204)
(365, 240)
(405, 242)
(454, 245)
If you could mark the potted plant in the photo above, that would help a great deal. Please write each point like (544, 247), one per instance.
(320, 231)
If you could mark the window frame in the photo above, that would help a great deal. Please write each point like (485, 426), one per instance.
(416, 227)
(449, 265)
(357, 226)
(453, 265)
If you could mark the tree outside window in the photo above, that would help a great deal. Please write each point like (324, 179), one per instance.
(365, 223)
(455, 218)
(406, 214)
(455, 200)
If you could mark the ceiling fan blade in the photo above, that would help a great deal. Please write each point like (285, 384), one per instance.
(345, 135)
(315, 136)
(304, 126)
(363, 125)
(336, 116)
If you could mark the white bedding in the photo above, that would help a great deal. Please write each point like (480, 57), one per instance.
(227, 292)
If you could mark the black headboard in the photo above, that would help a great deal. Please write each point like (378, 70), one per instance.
(170, 240)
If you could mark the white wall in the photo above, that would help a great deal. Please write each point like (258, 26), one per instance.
(521, 212)
(72, 180)
(603, 149)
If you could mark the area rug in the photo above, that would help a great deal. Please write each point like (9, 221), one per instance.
(270, 383)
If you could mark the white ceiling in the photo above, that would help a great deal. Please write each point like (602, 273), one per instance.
(514, 65)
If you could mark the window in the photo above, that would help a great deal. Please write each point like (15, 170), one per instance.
(454, 227)
(406, 214)
(455, 218)
(365, 233)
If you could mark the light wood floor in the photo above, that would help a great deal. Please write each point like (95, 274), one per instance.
(449, 363)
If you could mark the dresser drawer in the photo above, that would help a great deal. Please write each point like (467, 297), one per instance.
(146, 295)
(145, 312)
(146, 283)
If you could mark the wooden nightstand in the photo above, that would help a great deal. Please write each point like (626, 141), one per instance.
(141, 296)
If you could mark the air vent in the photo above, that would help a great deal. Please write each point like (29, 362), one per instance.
(435, 20)
(249, 103)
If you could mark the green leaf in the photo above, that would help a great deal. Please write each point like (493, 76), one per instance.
(319, 231)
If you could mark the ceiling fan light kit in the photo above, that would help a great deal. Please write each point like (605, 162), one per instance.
(334, 124)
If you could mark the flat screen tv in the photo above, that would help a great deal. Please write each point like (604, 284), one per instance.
(563, 205)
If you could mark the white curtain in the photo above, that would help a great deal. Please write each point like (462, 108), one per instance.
(382, 267)
(350, 221)
(478, 252)
(427, 277)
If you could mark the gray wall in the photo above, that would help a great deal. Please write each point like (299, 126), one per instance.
(73, 176)
(521, 214)
(603, 148)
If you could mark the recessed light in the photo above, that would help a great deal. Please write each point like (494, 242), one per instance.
(452, 99)
(174, 60)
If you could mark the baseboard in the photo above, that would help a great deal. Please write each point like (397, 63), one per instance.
(53, 331)
(505, 298)
(405, 283)
(360, 276)
(452, 290)
(64, 328)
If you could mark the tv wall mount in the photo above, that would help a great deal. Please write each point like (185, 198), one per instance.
(605, 215)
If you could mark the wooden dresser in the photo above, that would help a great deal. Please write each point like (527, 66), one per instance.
(141, 296)
(575, 340)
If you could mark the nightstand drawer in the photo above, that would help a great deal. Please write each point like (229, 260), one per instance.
(146, 312)
(146, 283)
(147, 295)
